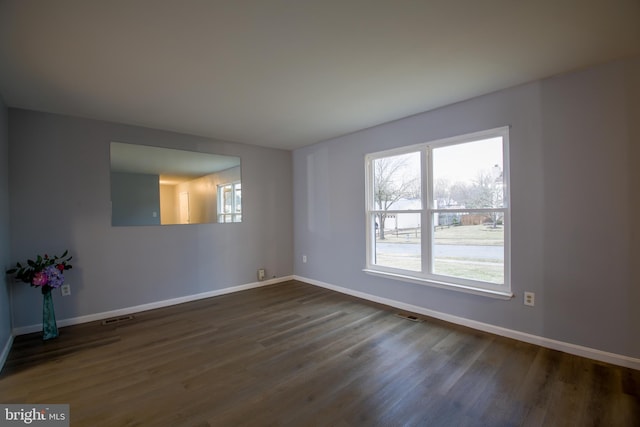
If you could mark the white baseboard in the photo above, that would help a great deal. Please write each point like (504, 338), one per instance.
(578, 350)
(5, 351)
(591, 353)
(150, 306)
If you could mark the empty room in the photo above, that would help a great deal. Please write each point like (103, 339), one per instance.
(320, 213)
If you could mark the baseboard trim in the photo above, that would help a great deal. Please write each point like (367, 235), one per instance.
(578, 350)
(150, 306)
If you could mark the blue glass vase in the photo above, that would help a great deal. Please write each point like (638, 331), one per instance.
(49, 326)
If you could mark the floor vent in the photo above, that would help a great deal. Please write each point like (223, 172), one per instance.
(409, 317)
(114, 320)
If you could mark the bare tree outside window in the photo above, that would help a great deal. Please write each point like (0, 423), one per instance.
(395, 178)
(486, 190)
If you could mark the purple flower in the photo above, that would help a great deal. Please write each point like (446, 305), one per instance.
(54, 276)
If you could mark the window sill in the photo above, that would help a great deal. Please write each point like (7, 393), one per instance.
(442, 285)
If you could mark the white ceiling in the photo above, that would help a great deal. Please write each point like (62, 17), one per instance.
(288, 73)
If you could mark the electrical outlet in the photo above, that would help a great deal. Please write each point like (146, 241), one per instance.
(304, 259)
(261, 274)
(65, 290)
(529, 299)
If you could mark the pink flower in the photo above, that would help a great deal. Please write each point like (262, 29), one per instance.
(39, 279)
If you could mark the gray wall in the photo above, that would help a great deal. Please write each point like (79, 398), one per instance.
(5, 260)
(574, 191)
(633, 121)
(59, 193)
(135, 198)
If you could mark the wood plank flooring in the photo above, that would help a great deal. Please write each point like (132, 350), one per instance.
(293, 354)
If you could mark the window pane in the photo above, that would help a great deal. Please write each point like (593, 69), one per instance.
(227, 199)
(396, 182)
(469, 246)
(397, 241)
(469, 175)
(238, 201)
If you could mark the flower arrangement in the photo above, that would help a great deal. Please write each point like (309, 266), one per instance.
(45, 272)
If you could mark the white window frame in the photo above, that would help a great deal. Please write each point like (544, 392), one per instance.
(501, 291)
(235, 215)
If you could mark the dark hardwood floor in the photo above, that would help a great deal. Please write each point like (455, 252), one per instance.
(297, 355)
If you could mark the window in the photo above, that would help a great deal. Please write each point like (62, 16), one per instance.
(230, 202)
(438, 213)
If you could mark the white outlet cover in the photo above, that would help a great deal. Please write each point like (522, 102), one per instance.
(65, 289)
(529, 299)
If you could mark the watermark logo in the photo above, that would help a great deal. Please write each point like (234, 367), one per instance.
(36, 415)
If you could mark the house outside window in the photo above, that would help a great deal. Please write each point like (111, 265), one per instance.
(438, 213)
